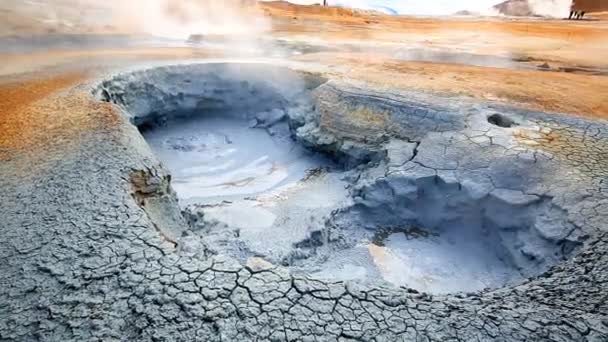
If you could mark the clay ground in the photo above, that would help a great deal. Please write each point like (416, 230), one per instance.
(82, 259)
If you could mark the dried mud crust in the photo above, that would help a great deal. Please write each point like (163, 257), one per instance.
(84, 260)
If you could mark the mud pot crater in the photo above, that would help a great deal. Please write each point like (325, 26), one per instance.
(261, 174)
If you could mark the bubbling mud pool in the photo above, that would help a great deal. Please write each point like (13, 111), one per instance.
(214, 157)
(257, 191)
(257, 180)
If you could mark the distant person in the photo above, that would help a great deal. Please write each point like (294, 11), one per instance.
(574, 13)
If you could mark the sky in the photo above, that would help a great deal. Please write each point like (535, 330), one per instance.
(423, 7)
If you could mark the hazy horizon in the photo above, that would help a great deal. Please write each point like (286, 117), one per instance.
(428, 7)
(552, 8)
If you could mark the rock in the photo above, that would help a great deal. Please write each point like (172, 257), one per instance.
(544, 66)
(269, 118)
(256, 264)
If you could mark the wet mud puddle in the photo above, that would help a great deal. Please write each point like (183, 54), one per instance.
(258, 192)
(223, 158)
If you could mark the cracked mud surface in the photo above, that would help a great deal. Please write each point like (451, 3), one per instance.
(95, 247)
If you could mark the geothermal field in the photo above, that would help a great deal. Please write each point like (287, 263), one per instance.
(240, 171)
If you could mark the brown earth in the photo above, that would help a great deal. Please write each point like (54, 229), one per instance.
(572, 42)
(560, 43)
(33, 113)
(538, 90)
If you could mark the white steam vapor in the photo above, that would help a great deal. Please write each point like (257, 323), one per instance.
(180, 18)
(550, 8)
(165, 18)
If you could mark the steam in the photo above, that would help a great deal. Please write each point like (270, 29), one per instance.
(164, 18)
(181, 18)
(550, 8)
